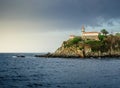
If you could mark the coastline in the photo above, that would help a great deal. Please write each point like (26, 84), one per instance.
(50, 55)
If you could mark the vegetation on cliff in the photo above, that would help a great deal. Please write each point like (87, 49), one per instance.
(107, 45)
(117, 34)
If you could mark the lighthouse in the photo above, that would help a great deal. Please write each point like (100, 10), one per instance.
(83, 30)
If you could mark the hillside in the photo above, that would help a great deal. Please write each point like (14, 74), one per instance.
(77, 47)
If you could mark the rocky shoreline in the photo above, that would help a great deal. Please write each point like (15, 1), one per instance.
(50, 55)
(82, 48)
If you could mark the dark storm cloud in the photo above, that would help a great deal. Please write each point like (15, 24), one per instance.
(64, 13)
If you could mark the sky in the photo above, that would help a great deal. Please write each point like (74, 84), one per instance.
(42, 25)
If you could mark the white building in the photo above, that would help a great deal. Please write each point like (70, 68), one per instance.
(89, 35)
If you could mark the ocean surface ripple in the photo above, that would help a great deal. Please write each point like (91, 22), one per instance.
(33, 72)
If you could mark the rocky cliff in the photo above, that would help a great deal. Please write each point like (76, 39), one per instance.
(108, 47)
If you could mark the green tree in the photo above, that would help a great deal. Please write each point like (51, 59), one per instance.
(104, 31)
(101, 37)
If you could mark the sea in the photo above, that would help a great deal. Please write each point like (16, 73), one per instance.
(40, 72)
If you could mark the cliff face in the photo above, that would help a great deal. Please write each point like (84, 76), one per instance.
(89, 48)
(68, 51)
(75, 50)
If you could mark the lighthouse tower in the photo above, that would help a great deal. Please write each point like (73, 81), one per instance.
(83, 30)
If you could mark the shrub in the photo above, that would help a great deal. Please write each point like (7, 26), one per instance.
(117, 34)
(75, 40)
(95, 45)
(101, 37)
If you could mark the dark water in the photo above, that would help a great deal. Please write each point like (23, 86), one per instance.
(31, 72)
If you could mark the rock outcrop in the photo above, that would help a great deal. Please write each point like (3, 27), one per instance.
(86, 52)
(72, 51)
(77, 47)
(110, 47)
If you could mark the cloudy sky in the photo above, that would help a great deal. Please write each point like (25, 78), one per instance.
(42, 25)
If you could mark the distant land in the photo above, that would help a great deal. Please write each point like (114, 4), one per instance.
(89, 44)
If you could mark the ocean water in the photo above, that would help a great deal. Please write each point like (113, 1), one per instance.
(33, 72)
